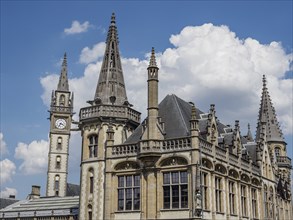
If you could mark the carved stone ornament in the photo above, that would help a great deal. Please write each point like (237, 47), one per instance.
(127, 165)
(174, 161)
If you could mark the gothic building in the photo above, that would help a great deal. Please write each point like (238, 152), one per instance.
(178, 163)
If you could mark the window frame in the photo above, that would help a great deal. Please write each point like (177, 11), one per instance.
(127, 191)
(175, 184)
(219, 194)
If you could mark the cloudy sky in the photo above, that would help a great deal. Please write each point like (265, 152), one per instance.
(209, 52)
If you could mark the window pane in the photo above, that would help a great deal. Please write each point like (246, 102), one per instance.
(129, 181)
(183, 177)
(166, 178)
(136, 196)
(120, 181)
(128, 199)
(175, 177)
(166, 197)
(175, 196)
(137, 180)
(184, 196)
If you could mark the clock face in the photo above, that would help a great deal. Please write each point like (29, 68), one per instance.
(60, 123)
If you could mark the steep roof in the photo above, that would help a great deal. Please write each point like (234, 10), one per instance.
(72, 189)
(111, 87)
(268, 116)
(4, 202)
(63, 79)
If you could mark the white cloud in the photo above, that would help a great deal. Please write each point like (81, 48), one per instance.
(7, 192)
(3, 146)
(208, 64)
(34, 156)
(7, 170)
(90, 55)
(77, 27)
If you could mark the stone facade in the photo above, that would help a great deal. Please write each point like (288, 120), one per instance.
(179, 163)
(61, 112)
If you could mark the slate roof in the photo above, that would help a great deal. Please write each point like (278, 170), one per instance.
(43, 207)
(72, 189)
(4, 202)
(176, 114)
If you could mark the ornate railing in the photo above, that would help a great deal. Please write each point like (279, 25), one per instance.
(205, 146)
(233, 159)
(284, 161)
(125, 149)
(109, 111)
(61, 109)
(221, 153)
(245, 164)
(176, 144)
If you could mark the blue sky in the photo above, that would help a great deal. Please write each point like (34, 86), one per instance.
(33, 41)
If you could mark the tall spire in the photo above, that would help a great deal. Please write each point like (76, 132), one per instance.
(111, 88)
(249, 135)
(63, 80)
(267, 115)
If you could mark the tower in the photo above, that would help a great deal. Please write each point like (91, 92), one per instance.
(110, 107)
(268, 129)
(61, 111)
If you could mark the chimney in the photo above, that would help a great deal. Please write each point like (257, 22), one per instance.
(35, 194)
(11, 196)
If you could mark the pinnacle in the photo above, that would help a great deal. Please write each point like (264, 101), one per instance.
(153, 62)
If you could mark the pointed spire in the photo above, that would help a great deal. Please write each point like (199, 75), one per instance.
(249, 135)
(63, 80)
(268, 116)
(153, 62)
(111, 88)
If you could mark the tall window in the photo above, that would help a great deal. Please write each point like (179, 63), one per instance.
(56, 185)
(271, 203)
(254, 202)
(58, 162)
(266, 201)
(93, 146)
(243, 200)
(218, 192)
(91, 180)
(205, 188)
(90, 212)
(129, 192)
(232, 196)
(175, 188)
(59, 143)
(277, 151)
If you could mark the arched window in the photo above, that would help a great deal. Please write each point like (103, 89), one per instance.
(277, 151)
(56, 185)
(93, 146)
(271, 203)
(59, 143)
(62, 100)
(91, 181)
(58, 162)
(90, 212)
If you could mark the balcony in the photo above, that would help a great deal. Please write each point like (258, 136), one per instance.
(284, 161)
(114, 111)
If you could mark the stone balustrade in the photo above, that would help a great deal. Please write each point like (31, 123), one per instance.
(109, 111)
(125, 149)
(221, 153)
(284, 161)
(206, 147)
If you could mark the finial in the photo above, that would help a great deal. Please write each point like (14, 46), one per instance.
(153, 62)
(64, 63)
(113, 19)
(193, 112)
(264, 81)
(212, 108)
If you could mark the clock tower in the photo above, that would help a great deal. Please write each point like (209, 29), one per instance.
(61, 111)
